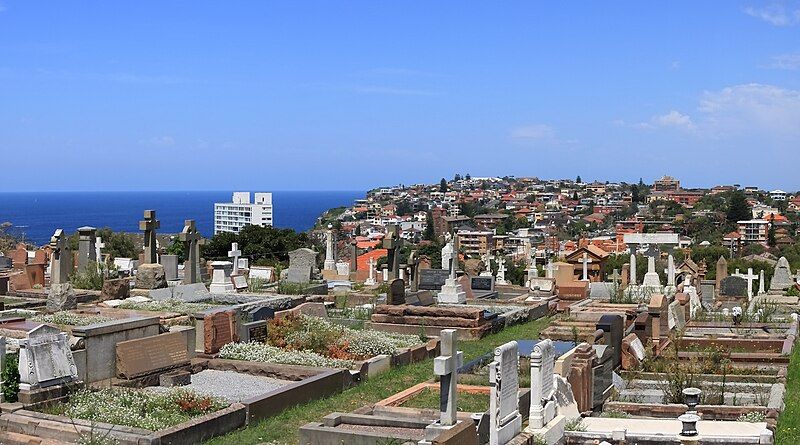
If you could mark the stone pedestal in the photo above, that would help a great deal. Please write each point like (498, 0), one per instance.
(61, 297)
(221, 278)
(151, 276)
(452, 292)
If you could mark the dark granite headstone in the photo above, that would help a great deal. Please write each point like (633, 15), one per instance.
(432, 279)
(262, 313)
(612, 326)
(397, 292)
(256, 331)
(603, 375)
(733, 287)
(6, 262)
(482, 283)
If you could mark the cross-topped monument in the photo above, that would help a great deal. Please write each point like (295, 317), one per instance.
(191, 241)
(446, 367)
(392, 243)
(98, 246)
(586, 260)
(235, 253)
(330, 261)
(60, 260)
(371, 280)
(149, 226)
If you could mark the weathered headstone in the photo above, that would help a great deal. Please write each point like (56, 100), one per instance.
(87, 251)
(170, 263)
(45, 359)
(301, 265)
(150, 354)
(219, 329)
(722, 273)
(482, 283)
(782, 278)
(393, 243)
(397, 292)
(602, 373)
(330, 261)
(612, 326)
(677, 316)
(733, 286)
(149, 226)
(190, 238)
(151, 276)
(61, 295)
(505, 418)
(543, 408)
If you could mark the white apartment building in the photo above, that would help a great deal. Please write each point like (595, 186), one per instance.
(232, 216)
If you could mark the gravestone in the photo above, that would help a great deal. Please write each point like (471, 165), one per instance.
(239, 282)
(264, 273)
(61, 295)
(330, 261)
(45, 359)
(580, 376)
(452, 291)
(447, 256)
(191, 241)
(151, 276)
(722, 273)
(170, 263)
(612, 326)
(150, 354)
(446, 367)
(504, 415)
(482, 283)
(255, 331)
(149, 226)
(676, 319)
(734, 286)
(261, 313)
(782, 278)
(543, 408)
(433, 279)
(301, 265)
(219, 329)
(397, 292)
(603, 375)
(221, 278)
(651, 278)
(6, 262)
(195, 292)
(87, 251)
(234, 255)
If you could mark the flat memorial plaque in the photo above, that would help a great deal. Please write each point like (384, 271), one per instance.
(150, 354)
(432, 279)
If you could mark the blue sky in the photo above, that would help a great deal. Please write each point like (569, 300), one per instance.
(301, 95)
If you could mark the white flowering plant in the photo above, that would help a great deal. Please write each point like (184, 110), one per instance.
(152, 411)
(260, 352)
(65, 318)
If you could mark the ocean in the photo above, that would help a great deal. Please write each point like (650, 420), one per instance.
(36, 215)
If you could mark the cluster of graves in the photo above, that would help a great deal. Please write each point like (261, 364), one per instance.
(687, 360)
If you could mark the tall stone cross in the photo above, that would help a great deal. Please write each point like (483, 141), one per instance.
(61, 258)
(392, 243)
(586, 260)
(191, 242)
(446, 367)
(371, 279)
(750, 277)
(98, 246)
(149, 226)
(235, 253)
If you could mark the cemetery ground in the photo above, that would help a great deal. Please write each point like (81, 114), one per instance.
(788, 429)
(283, 428)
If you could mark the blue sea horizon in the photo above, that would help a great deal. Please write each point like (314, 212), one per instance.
(36, 215)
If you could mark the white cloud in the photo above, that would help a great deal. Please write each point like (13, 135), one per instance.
(751, 108)
(673, 119)
(159, 141)
(785, 62)
(534, 132)
(775, 14)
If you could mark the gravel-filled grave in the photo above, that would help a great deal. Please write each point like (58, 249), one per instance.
(229, 385)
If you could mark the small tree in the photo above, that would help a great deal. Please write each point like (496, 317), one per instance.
(443, 185)
(429, 234)
(738, 209)
(771, 235)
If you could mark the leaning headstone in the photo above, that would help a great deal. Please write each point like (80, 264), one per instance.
(504, 415)
(676, 318)
(61, 295)
(782, 278)
(446, 367)
(45, 359)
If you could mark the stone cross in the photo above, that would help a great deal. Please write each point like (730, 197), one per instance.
(586, 262)
(149, 226)
(633, 269)
(330, 261)
(98, 246)
(761, 284)
(447, 255)
(371, 280)
(501, 273)
(87, 251)
(60, 259)
(453, 263)
(191, 241)
(750, 277)
(392, 243)
(615, 277)
(446, 367)
(235, 253)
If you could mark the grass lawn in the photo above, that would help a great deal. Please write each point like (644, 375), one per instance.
(788, 431)
(428, 398)
(283, 428)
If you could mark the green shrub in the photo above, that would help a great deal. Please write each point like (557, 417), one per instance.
(90, 278)
(10, 376)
